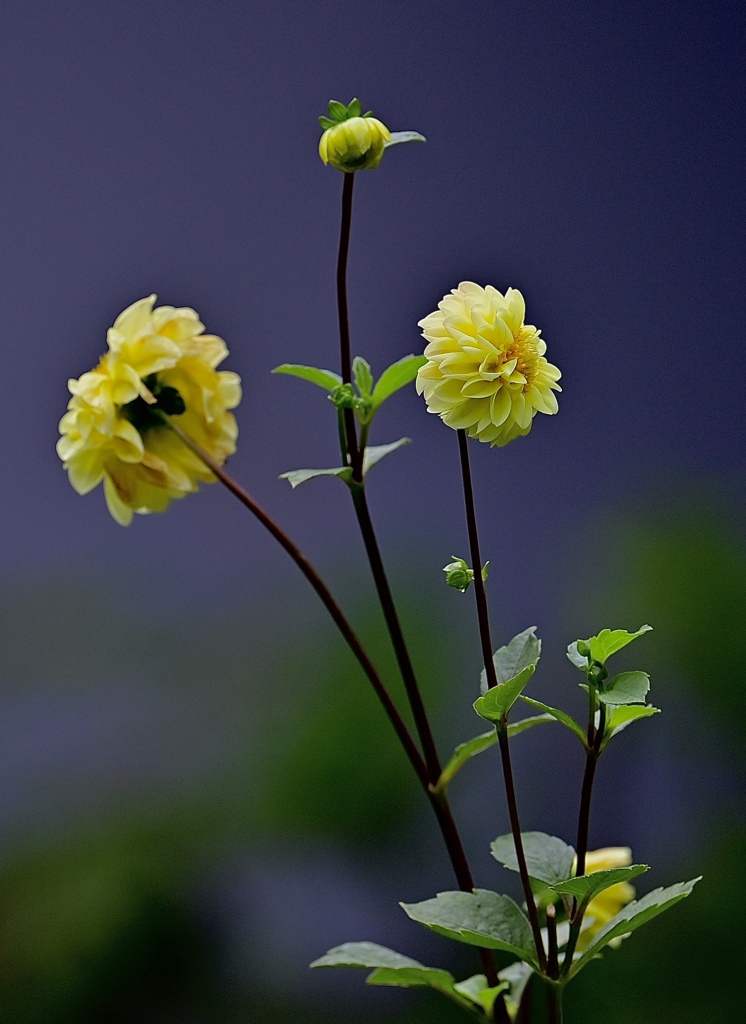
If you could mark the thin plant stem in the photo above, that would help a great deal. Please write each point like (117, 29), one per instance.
(593, 752)
(439, 803)
(554, 1002)
(353, 453)
(552, 949)
(492, 681)
(329, 602)
(393, 625)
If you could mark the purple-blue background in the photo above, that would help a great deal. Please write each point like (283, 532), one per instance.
(591, 155)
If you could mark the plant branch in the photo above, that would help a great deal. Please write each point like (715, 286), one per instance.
(336, 613)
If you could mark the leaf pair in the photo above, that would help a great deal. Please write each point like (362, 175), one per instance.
(390, 968)
(369, 399)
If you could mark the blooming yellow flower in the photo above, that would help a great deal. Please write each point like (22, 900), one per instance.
(354, 144)
(159, 361)
(485, 371)
(608, 903)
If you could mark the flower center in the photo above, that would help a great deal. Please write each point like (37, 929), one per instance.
(524, 351)
(144, 417)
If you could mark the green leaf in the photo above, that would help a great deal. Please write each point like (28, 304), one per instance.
(579, 660)
(548, 858)
(395, 377)
(587, 887)
(354, 108)
(296, 477)
(337, 111)
(325, 379)
(609, 641)
(397, 137)
(374, 453)
(479, 918)
(560, 716)
(523, 650)
(632, 917)
(497, 702)
(516, 728)
(465, 751)
(478, 991)
(626, 688)
(362, 376)
(516, 975)
(364, 954)
(326, 123)
(623, 715)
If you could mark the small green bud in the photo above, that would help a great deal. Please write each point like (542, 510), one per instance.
(597, 673)
(458, 574)
(343, 396)
(584, 649)
(362, 375)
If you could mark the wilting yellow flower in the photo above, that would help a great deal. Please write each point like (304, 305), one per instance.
(355, 144)
(485, 371)
(159, 361)
(609, 902)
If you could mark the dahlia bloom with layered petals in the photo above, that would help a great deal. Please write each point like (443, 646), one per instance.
(485, 371)
(159, 361)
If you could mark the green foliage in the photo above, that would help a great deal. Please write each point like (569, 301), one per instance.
(395, 377)
(559, 716)
(465, 751)
(374, 453)
(626, 688)
(523, 650)
(632, 917)
(339, 112)
(397, 137)
(479, 918)
(622, 716)
(326, 379)
(296, 477)
(478, 991)
(599, 648)
(548, 858)
(495, 704)
(362, 376)
(587, 887)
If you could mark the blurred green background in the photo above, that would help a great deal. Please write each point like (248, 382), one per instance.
(197, 804)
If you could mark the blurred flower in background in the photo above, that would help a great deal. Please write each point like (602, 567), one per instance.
(159, 363)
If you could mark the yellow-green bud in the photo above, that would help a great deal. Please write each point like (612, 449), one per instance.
(354, 144)
(458, 574)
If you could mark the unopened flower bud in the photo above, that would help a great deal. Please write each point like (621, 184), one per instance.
(458, 574)
(597, 673)
(352, 141)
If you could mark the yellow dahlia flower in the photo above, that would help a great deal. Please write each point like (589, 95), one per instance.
(485, 371)
(159, 361)
(609, 902)
(355, 143)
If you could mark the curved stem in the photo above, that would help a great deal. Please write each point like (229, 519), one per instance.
(324, 594)
(439, 802)
(393, 625)
(492, 680)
